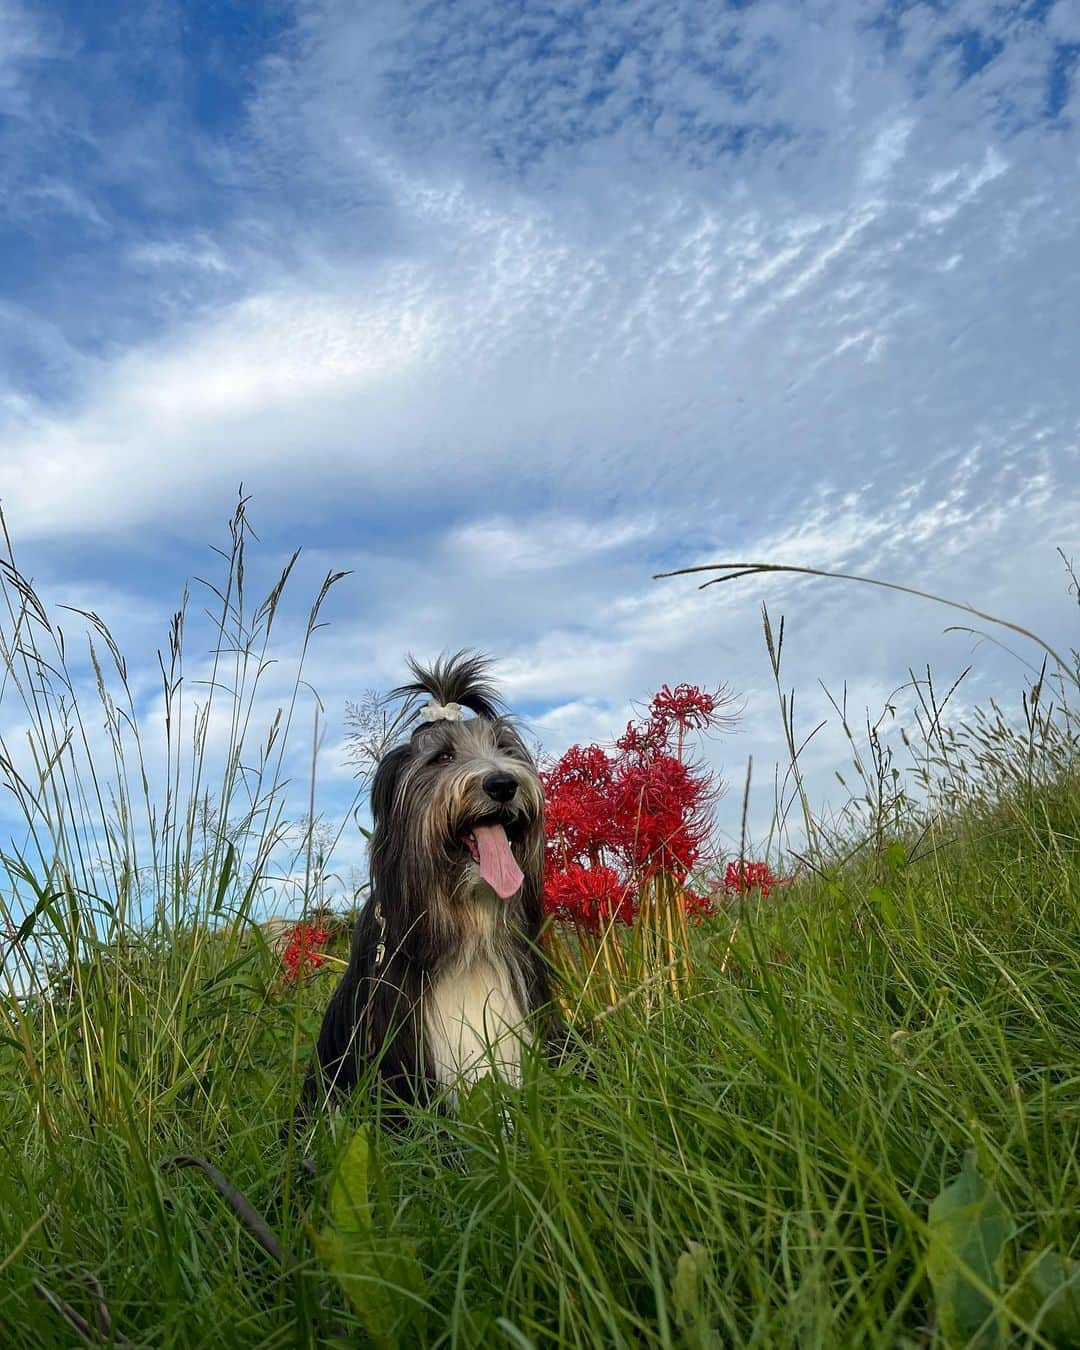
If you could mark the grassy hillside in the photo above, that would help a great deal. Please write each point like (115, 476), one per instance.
(753, 1164)
(858, 1125)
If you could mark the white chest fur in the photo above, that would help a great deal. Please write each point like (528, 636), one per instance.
(474, 1023)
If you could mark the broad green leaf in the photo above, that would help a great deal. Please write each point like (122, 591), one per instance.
(969, 1227)
(378, 1272)
(894, 856)
(688, 1295)
(368, 1282)
(1048, 1296)
(350, 1206)
(884, 903)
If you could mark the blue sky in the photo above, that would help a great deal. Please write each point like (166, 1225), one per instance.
(506, 307)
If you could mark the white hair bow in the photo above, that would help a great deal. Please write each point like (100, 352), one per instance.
(442, 712)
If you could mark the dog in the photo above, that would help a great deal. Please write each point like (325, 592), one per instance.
(446, 980)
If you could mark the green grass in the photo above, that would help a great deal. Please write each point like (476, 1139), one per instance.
(754, 1164)
(795, 1116)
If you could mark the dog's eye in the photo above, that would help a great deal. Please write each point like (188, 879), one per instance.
(446, 757)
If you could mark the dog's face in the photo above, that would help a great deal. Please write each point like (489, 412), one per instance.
(465, 800)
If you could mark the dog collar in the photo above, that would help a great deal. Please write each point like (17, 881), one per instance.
(442, 712)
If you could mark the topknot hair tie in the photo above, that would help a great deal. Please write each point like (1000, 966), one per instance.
(442, 712)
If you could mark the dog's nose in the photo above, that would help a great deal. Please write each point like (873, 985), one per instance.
(500, 785)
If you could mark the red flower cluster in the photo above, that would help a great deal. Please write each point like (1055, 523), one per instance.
(615, 819)
(301, 955)
(578, 790)
(592, 897)
(742, 876)
(686, 708)
(700, 906)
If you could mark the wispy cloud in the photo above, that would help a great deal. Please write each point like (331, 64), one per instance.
(510, 306)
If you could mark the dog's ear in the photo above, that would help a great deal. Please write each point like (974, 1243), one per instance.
(384, 784)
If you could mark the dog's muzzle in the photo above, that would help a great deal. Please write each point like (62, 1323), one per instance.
(487, 839)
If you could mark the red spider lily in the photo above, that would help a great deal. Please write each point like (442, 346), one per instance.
(578, 787)
(698, 906)
(686, 708)
(661, 809)
(672, 713)
(630, 814)
(591, 898)
(301, 955)
(742, 876)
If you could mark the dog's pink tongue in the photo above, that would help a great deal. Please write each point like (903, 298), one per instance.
(498, 866)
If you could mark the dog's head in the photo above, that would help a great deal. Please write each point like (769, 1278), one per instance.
(459, 804)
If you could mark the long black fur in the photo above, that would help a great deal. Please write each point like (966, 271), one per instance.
(375, 1014)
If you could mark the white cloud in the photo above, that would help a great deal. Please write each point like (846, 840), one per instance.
(524, 305)
(676, 354)
(23, 40)
(1064, 22)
